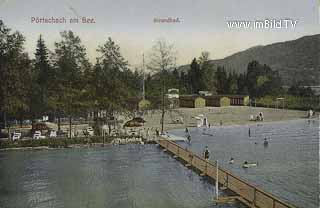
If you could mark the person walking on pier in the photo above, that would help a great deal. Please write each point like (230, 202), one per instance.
(206, 153)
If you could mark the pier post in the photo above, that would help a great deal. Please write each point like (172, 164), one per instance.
(254, 197)
(205, 170)
(217, 181)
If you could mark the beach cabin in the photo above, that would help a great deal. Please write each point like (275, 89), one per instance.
(138, 104)
(242, 100)
(217, 101)
(173, 98)
(191, 101)
(144, 104)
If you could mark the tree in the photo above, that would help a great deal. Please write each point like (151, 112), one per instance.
(241, 82)
(221, 81)
(262, 80)
(15, 72)
(194, 76)
(232, 83)
(296, 90)
(70, 63)
(41, 81)
(110, 72)
(161, 59)
(206, 72)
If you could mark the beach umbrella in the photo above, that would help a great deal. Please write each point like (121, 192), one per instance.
(139, 119)
(132, 123)
(51, 125)
(40, 126)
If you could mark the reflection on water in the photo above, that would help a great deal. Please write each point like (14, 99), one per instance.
(131, 176)
(287, 167)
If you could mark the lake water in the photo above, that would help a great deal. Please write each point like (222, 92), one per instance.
(143, 176)
(134, 176)
(288, 167)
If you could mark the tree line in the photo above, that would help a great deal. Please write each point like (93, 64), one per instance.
(258, 81)
(63, 83)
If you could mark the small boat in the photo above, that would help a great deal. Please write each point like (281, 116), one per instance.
(231, 161)
(207, 134)
(249, 165)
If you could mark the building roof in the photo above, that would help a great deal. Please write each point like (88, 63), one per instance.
(189, 97)
(229, 96)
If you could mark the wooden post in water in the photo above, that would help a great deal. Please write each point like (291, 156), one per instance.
(104, 135)
(217, 181)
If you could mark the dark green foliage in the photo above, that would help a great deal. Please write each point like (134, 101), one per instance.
(15, 73)
(109, 75)
(221, 82)
(70, 64)
(262, 80)
(290, 102)
(296, 90)
(194, 76)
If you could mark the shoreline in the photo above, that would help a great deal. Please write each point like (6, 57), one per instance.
(230, 116)
(92, 145)
(73, 146)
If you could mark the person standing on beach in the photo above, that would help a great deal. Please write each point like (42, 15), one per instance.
(249, 132)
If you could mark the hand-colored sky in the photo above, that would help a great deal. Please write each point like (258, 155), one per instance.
(203, 24)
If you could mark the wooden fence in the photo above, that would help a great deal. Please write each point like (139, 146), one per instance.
(250, 195)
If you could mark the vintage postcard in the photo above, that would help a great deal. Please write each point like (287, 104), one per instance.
(159, 104)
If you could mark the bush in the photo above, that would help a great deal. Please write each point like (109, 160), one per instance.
(291, 102)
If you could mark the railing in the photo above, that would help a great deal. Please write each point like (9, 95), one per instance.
(252, 195)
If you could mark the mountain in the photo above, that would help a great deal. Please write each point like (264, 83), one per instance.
(296, 60)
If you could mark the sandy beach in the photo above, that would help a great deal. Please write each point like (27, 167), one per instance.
(231, 115)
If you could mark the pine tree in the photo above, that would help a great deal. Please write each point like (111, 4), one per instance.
(15, 73)
(194, 76)
(41, 80)
(70, 64)
(110, 75)
(206, 73)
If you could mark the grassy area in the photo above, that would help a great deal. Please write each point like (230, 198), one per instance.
(290, 102)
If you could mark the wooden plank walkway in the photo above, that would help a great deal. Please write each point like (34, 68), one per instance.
(248, 194)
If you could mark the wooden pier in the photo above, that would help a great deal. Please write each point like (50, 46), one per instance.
(246, 193)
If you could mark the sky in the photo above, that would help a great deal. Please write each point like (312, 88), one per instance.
(202, 24)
